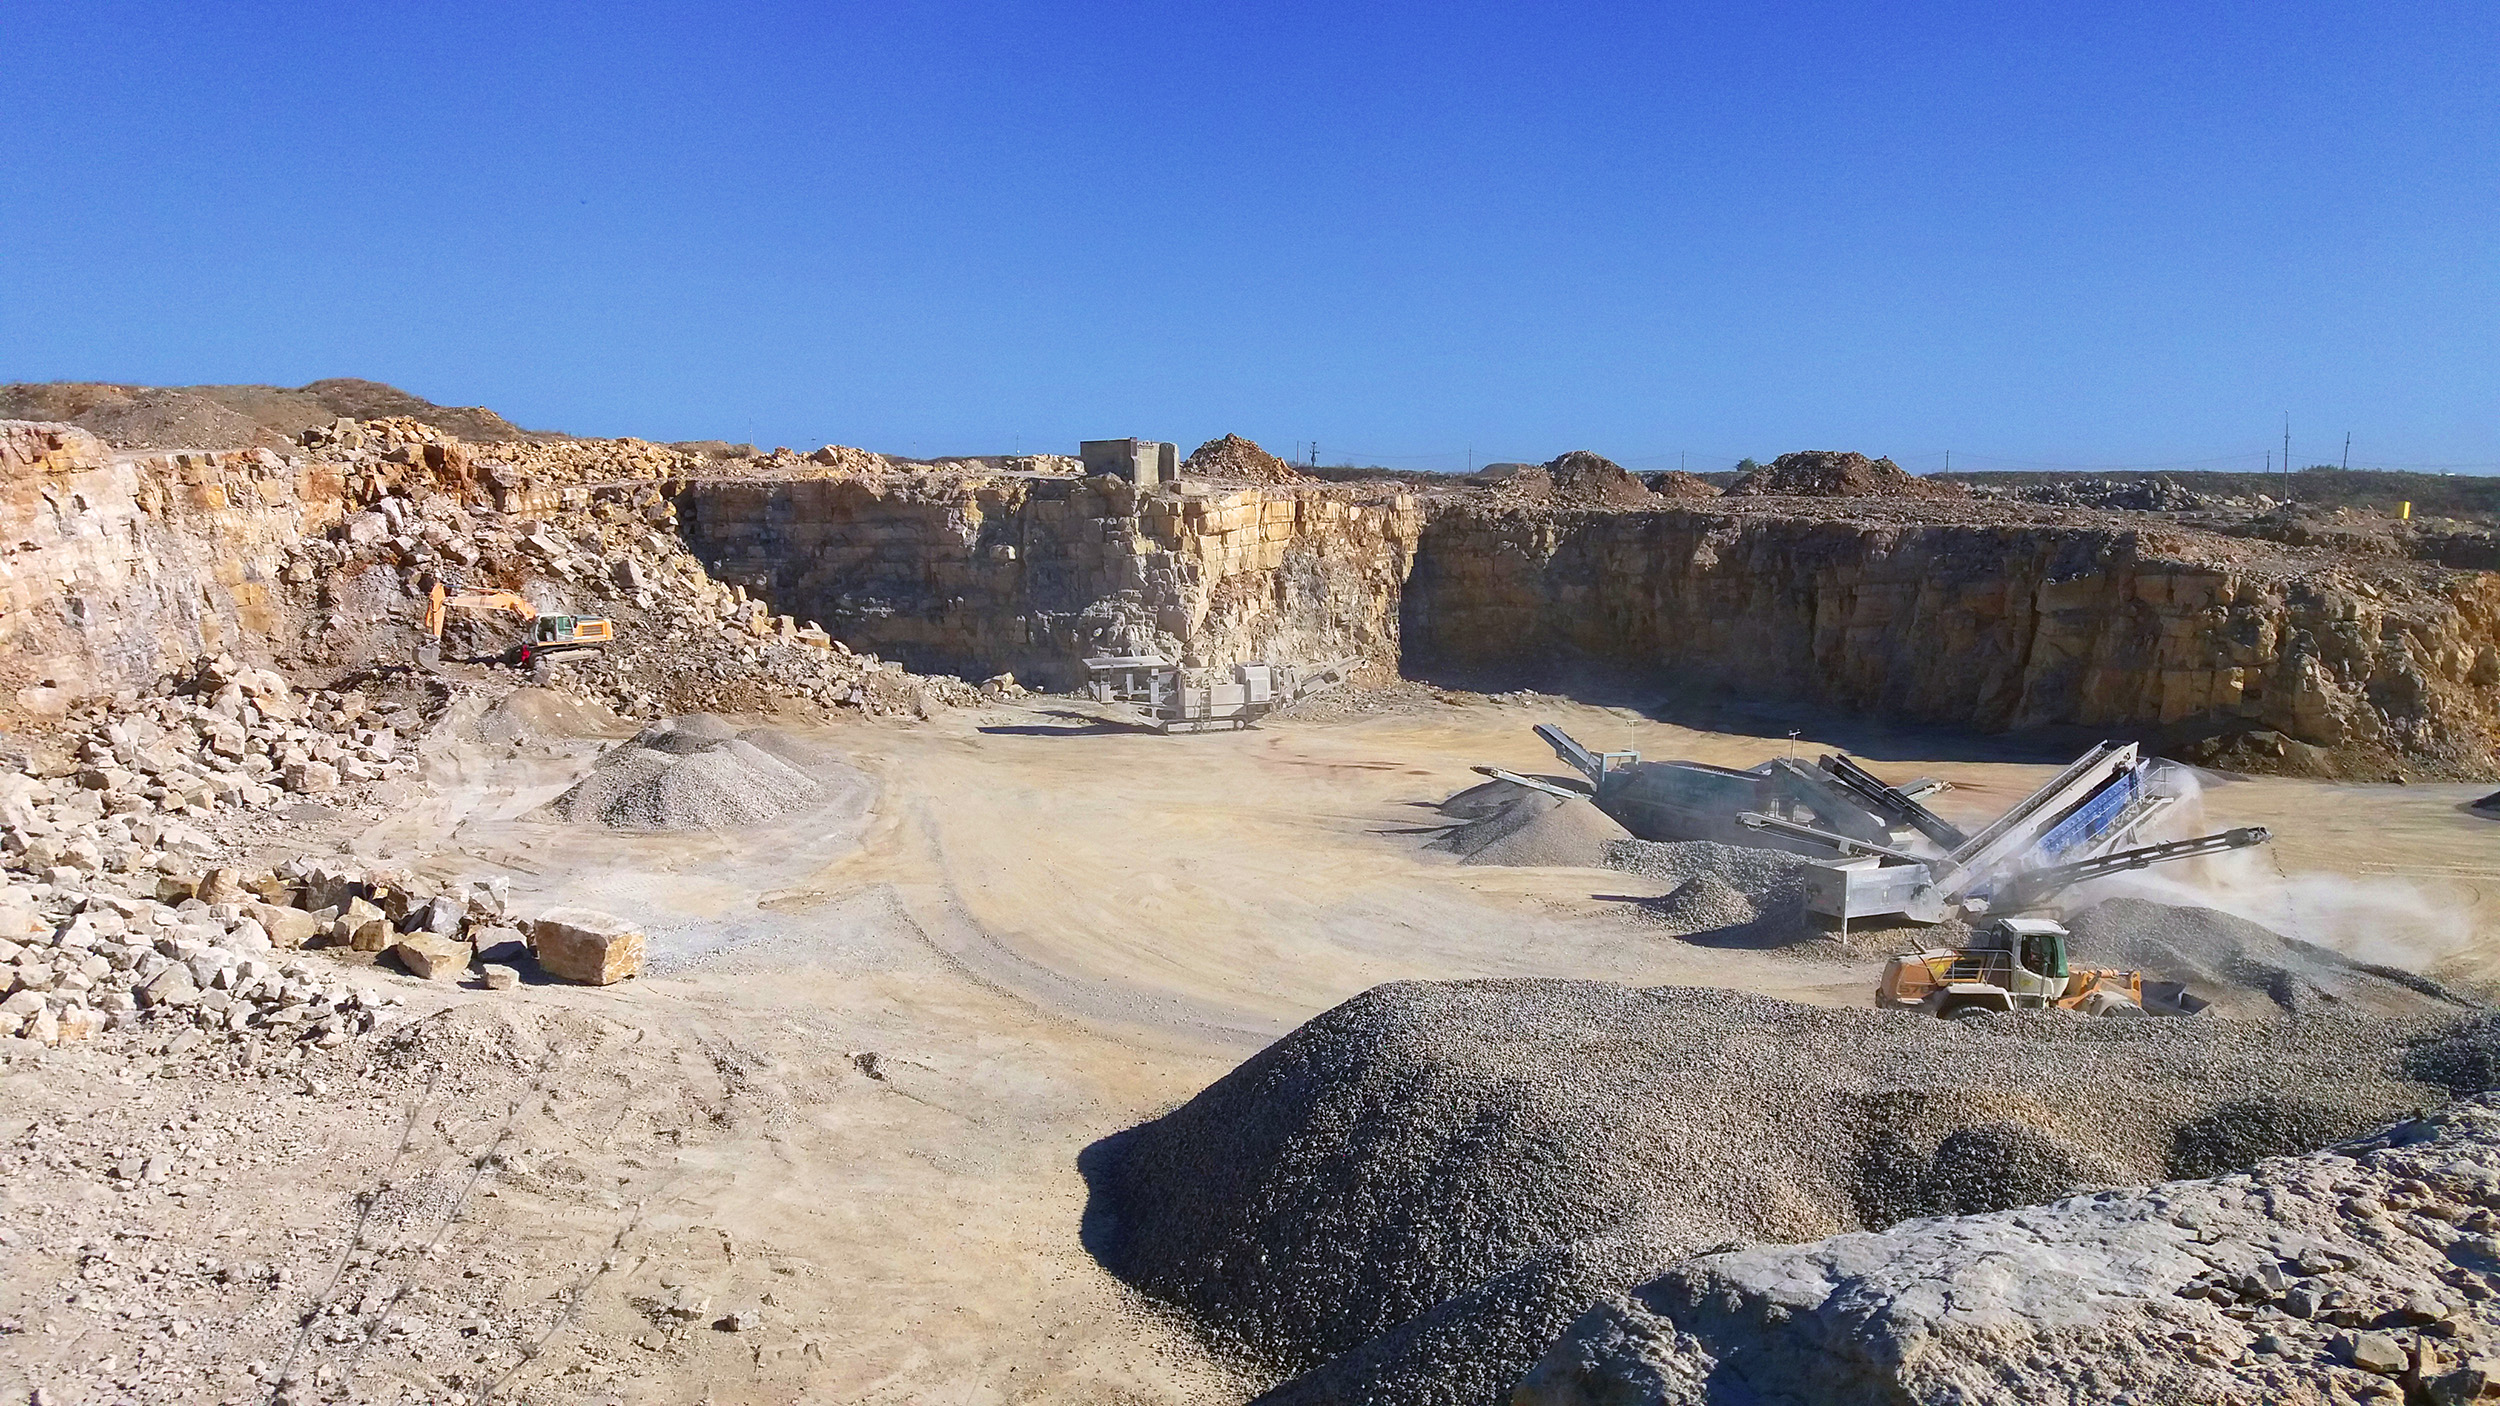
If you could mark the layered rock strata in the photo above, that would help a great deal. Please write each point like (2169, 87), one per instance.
(1994, 624)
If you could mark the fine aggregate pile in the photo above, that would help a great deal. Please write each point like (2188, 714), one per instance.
(1409, 1197)
(1828, 473)
(1507, 824)
(697, 772)
(2245, 968)
(1704, 903)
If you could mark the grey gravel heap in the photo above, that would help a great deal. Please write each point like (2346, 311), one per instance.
(2368, 1271)
(1409, 1197)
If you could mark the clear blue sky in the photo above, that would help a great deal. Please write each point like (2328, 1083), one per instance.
(2034, 235)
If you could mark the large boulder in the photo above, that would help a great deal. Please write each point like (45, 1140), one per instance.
(434, 958)
(585, 945)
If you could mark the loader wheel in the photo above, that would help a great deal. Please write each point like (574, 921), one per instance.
(1967, 1010)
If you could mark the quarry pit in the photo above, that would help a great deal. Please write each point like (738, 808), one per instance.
(985, 1047)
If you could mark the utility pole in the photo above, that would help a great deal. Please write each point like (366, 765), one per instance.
(2287, 443)
(1948, 461)
(2347, 451)
(1315, 453)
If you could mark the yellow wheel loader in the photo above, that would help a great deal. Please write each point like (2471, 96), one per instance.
(2016, 964)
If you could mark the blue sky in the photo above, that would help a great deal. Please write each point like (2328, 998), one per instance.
(2035, 236)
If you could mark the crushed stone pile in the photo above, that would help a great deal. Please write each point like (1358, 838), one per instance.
(1233, 459)
(1704, 903)
(1409, 1197)
(692, 773)
(1508, 824)
(1675, 483)
(1827, 473)
(2363, 1272)
(1770, 882)
(2243, 967)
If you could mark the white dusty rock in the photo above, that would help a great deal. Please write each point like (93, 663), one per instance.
(2302, 1282)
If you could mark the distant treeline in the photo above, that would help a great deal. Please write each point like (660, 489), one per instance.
(2453, 495)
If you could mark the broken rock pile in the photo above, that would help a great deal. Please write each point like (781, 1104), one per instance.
(82, 963)
(141, 772)
(1233, 459)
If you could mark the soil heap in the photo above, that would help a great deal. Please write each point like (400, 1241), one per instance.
(1406, 1199)
(1828, 473)
(1233, 459)
(1675, 483)
(1583, 477)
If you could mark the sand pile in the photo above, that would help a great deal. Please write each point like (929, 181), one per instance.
(1233, 459)
(1409, 1197)
(1515, 825)
(1827, 473)
(692, 773)
(2244, 968)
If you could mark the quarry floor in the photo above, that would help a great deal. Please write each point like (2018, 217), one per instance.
(1044, 929)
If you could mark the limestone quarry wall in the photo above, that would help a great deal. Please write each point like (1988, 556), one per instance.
(114, 568)
(1031, 575)
(1997, 626)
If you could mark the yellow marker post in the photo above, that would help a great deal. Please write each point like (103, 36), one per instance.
(2406, 512)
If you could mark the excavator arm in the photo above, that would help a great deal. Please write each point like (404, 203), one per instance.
(439, 603)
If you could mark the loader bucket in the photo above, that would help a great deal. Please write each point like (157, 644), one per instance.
(2172, 998)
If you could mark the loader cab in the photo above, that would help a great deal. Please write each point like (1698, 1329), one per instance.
(2035, 951)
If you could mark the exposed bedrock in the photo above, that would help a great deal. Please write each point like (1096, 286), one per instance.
(1032, 575)
(116, 567)
(2001, 625)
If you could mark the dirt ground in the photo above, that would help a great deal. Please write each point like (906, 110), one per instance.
(826, 1148)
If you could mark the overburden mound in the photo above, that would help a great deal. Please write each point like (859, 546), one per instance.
(1409, 1197)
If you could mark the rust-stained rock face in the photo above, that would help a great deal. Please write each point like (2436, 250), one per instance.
(1994, 624)
(114, 567)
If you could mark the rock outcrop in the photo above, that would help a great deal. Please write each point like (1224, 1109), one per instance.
(2362, 1272)
(1029, 576)
(1997, 624)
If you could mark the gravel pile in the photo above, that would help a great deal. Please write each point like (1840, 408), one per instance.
(1406, 1199)
(1513, 825)
(1583, 477)
(1704, 903)
(1771, 882)
(1675, 483)
(2243, 967)
(691, 773)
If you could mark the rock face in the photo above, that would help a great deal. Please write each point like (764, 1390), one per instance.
(1997, 625)
(1031, 576)
(578, 944)
(2321, 1278)
(124, 566)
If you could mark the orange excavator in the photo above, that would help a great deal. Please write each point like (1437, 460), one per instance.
(547, 635)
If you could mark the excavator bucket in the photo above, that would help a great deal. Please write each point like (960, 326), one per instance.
(2172, 998)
